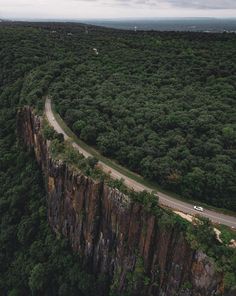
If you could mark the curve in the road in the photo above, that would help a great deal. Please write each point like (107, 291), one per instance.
(164, 199)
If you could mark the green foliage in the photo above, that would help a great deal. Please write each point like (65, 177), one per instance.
(201, 236)
(92, 161)
(186, 286)
(57, 148)
(149, 200)
(59, 137)
(159, 103)
(71, 155)
(136, 279)
(33, 261)
(229, 280)
(227, 234)
(118, 184)
(38, 278)
(63, 150)
(48, 131)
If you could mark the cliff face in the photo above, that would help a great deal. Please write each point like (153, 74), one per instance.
(114, 236)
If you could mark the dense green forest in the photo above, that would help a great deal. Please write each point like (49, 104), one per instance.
(164, 108)
(160, 103)
(33, 260)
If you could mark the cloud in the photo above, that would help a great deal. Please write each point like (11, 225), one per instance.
(195, 4)
(116, 8)
(203, 4)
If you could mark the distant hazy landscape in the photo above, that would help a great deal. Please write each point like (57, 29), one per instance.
(197, 24)
(171, 24)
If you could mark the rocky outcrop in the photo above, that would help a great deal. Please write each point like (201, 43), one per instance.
(115, 236)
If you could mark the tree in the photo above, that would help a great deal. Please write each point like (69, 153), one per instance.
(38, 278)
(194, 183)
(59, 137)
(78, 126)
(48, 132)
(92, 161)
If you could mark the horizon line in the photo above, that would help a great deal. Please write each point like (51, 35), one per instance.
(112, 18)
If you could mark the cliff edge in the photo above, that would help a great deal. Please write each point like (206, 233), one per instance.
(138, 253)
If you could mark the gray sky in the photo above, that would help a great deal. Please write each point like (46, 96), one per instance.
(80, 9)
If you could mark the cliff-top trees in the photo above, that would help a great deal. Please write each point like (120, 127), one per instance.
(162, 105)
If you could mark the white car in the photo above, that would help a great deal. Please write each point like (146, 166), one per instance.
(53, 118)
(200, 209)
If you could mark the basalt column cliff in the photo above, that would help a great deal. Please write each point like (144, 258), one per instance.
(115, 236)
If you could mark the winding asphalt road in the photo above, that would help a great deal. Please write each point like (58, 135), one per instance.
(164, 199)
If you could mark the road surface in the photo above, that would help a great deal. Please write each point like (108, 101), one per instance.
(164, 199)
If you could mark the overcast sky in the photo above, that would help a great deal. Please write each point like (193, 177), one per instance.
(81, 9)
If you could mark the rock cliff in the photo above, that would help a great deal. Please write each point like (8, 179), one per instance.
(114, 236)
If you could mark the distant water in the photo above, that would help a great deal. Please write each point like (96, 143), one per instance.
(179, 24)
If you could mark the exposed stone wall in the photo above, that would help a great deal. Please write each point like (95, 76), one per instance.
(111, 233)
